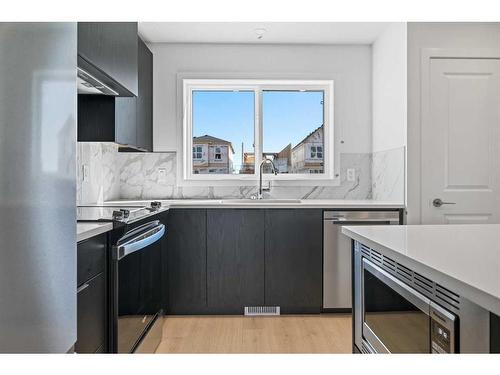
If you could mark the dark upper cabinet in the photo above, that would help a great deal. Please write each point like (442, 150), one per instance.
(109, 52)
(293, 259)
(144, 110)
(235, 260)
(187, 261)
(106, 119)
(124, 120)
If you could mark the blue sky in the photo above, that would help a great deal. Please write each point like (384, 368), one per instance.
(287, 117)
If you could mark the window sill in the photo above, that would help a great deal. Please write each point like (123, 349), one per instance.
(307, 180)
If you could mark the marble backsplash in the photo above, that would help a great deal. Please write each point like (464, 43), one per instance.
(388, 175)
(139, 180)
(114, 175)
(101, 181)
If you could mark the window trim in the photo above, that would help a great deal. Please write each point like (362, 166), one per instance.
(259, 85)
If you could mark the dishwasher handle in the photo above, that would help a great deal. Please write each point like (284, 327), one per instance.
(362, 217)
(362, 222)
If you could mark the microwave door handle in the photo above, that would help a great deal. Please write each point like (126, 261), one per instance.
(140, 242)
(419, 300)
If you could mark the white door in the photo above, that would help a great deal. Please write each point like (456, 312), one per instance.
(460, 141)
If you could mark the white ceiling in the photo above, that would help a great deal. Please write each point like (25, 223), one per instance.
(276, 32)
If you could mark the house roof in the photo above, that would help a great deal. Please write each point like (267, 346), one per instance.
(307, 136)
(212, 140)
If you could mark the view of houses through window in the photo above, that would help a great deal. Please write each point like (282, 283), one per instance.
(223, 128)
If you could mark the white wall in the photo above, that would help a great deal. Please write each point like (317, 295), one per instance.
(434, 35)
(348, 66)
(389, 89)
(389, 106)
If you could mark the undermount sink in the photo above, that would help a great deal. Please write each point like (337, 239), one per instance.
(261, 201)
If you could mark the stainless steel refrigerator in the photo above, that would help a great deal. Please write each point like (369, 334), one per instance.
(38, 99)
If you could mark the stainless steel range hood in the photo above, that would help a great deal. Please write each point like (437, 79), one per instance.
(88, 84)
(92, 80)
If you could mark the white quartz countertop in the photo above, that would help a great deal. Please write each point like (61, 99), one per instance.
(463, 258)
(88, 230)
(271, 203)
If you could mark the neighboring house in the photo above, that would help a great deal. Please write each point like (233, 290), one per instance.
(283, 159)
(280, 159)
(248, 163)
(307, 155)
(212, 155)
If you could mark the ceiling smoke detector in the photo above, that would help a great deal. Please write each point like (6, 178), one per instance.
(260, 33)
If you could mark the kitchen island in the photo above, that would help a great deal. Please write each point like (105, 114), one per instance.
(456, 266)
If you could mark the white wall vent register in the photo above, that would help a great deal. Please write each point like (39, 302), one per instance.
(262, 310)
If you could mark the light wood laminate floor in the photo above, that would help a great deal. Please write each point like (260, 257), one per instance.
(325, 333)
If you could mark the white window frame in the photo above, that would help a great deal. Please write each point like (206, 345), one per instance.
(258, 86)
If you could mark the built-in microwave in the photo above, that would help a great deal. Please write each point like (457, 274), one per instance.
(398, 319)
(397, 309)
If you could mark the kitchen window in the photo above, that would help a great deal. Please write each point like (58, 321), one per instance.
(232, 125)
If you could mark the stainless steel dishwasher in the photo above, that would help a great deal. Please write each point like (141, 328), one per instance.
(337, 295)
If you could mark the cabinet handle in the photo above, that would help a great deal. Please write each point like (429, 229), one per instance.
(82, 287)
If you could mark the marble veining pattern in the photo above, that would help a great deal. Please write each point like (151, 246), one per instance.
(114, 175)
(139, 177)
(139, 180)
(388, 175)
(102, 182)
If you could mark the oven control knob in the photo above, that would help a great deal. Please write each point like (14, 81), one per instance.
(118, 215)
(155, 205)
(126, 213)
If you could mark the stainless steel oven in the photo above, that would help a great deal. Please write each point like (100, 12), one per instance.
(396, 318)
(136, 286)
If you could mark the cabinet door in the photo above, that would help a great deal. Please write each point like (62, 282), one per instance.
(96, 118)
(145, 98)
(90, 258)
(187, 266)
(112, 48)
(235, 260)
(126, 121)
(293, 259)
(91, 316)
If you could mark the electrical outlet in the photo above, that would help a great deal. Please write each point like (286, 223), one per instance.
(85, 172)
(162, 175)
(351, 174)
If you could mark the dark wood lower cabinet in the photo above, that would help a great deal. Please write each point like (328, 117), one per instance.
(235, 260)
(91, 295)
(187, 261)
(494, 333)
(293, 260)
(221, 260)
(91, 315)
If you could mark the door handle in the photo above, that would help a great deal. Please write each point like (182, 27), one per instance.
(438, 202)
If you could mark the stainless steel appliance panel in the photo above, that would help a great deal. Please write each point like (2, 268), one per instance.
(38, 98)
(358, 297)
(337, 289)
(399, 319)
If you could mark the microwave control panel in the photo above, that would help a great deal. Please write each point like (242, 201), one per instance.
(440, 338)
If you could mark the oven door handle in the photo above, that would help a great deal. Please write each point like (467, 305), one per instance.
(139, 242)
(140, 229)
(416, 298)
